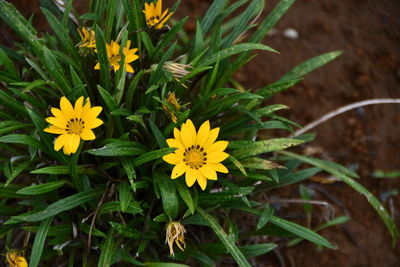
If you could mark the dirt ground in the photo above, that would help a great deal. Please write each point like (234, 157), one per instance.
(366, 139)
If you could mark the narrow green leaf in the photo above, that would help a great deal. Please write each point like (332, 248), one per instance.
(169, 197)
(184, 193)
(212, 14)
(61, 205)
(23, 140)
(8, 64)
(310, 65)
(120, 148)
(235, 49)
(157, 134)
(164, 264)
(265, 216)
(12, 173)
(252, 251)
(301, 231)
(108, 250)
(252, 148)
(38, 244)
(56, 71)
(63, 170)
(152, 155)
(41, 188)
(225, 239)
(105, 76)
(125, 195)
(379, 208)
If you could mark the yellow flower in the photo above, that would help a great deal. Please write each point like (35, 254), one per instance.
(73, 124)
(88, 38)
(114, 57)
(175, 233)
(197, 154)
(15, 260)
(154, 18)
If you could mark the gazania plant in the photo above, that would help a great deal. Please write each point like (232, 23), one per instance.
(124, 142)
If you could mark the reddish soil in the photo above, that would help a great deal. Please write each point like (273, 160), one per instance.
(367, 139)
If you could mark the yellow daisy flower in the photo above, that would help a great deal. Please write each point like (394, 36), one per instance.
(73, 124)
(114, 57)
(197, 154)
(88, 38)
(15, 260)
(154, 18)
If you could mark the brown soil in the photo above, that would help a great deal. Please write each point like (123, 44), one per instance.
(368, 33)
(366, 139)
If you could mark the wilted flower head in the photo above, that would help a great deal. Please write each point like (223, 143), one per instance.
(179, 70)
(14, 259)
(88, 38)
(175, 232)
(171, 99)
(154, 18)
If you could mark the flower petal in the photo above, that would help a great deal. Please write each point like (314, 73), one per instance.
(216, 157)
(208, 172)
(191, 176)
(57, 113)
(217, 146)
(190, 126)
(73, 141)
(177, 135)
(87, 134)
(203, 133)
(186, 135)
(129, 68)
(174, 143)
(218, 167)
(172, 159)
(91, 113)
(66, 108)
(60, 141)
(97, 66)
(58, 122)
(211, 137)
(178, 170)
(202, 181)
(78, 107)
(54, 130)
(93, 123)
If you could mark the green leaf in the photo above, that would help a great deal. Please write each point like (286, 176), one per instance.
(185, 195)
(120, 148)
(61, 32)
(379, 208)
(107, 98)
(252, 251)
(11, 172)
(38, 244)
(169, 197)
(157, 134)
(252, 148)
(56, 71)
(41, 188)
(105, 76)
(8, 64)
(310, 65)
(293, 177)
(125, 195)
(63, 170)
(61, 205)
(152, 155)
(164, 264)
(23, 140)
(265, 216)
(235, 49)
(20, 25)
(301, 231)
(225, 239)
(108, 250)
(212, 14)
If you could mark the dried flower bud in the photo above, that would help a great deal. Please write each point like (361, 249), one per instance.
(175, 232)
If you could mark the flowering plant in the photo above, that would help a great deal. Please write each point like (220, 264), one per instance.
(142, 114)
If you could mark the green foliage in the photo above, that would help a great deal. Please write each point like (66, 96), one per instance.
(109, 203)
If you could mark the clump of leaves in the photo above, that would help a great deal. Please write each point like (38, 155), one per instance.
(96, 114)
